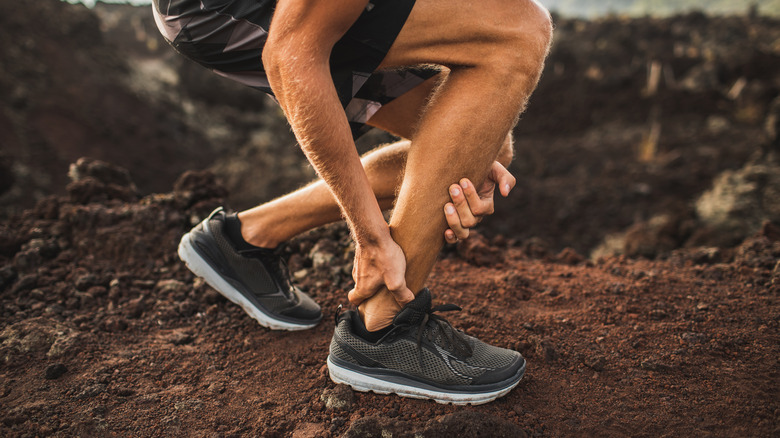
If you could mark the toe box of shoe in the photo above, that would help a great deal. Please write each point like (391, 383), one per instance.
(503, 373)
(306, 309)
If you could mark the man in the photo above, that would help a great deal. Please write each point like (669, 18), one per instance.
(450, 76)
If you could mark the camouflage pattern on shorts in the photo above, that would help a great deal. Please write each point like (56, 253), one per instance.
(228, 36)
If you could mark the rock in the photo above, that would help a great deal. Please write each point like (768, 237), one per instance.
(125, 392)
(89, 190)
(195, 186)
(740, 201)
(180, 338)
(91, 391)
(55, 371)
(596, 363)
(339, 398)
(85, 281)
(323, 253)
(113, 324)
(26, 282)
(65, 343)
(568, 256)
(7, 276)
(166, 286)
(101, 171)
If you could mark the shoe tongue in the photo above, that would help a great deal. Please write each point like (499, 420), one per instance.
(414, 311)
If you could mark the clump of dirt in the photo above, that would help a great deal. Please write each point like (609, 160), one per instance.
(103, 331)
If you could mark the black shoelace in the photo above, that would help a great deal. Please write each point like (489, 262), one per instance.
(456, 340)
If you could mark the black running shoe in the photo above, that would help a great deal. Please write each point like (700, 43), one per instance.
(422, 356)
(256, 279)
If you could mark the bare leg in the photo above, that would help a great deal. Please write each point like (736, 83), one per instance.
(277, 221)
(272, 223)
(495, 63)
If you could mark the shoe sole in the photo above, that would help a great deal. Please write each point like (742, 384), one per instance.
(408, 388)
(203, 269)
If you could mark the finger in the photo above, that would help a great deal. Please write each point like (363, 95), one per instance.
(453, 220)
(403, 295)
(479, 204)
(362, 292)
(450, 237)
(467, 219)
(505, 180)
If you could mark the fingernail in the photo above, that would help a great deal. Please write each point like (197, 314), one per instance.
(506, 186)
(455, 191)
(464, 184)
(449, 209)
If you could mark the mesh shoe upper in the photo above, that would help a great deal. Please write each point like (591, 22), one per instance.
(424, 345)
(259, 274)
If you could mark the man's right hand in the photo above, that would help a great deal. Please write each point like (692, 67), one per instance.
(379, 266)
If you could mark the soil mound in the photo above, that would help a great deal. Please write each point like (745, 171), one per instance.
(103, 331)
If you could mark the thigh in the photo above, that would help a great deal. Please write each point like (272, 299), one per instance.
(468, 35)
(400, 116)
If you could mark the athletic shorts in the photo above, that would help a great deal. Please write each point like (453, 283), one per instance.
(227, 36)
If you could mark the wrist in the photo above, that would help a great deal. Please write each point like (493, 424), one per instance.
(377, 236)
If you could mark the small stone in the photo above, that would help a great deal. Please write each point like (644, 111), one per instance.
(84, 282)
(125, 392)
(114, 324)
(180, 338)
(91, 391)
(658, 314)
(170, 286)
(596, 363)
(55, 371)
(26, 282)
(339, 398)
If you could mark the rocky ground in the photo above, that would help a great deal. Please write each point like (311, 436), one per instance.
(635, 265)
(105, 332)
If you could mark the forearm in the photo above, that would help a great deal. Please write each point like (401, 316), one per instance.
(321, 127)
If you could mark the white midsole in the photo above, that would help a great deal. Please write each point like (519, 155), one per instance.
(364, 383)
(201, 268)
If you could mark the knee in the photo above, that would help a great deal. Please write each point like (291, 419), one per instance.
(524, 44)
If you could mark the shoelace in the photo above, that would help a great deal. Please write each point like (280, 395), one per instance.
(457, 340)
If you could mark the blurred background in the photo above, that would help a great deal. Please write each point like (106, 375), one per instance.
(654, 126)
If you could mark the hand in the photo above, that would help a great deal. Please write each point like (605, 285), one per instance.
(378, 267)
(469, 205)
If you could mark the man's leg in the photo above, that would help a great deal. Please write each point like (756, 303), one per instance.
(277, 221)
(495, 52)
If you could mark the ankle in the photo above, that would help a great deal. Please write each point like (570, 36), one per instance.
(256, 232)
(375, 321)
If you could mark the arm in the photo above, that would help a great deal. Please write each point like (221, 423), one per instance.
(296, 59)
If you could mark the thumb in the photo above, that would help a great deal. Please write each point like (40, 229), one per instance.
(505, 180)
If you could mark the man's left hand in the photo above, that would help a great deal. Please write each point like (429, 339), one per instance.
(470, 204)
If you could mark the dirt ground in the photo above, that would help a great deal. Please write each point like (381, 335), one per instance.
(636, 122)
(106, 333)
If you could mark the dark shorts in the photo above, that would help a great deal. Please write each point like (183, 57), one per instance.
(227, 36)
